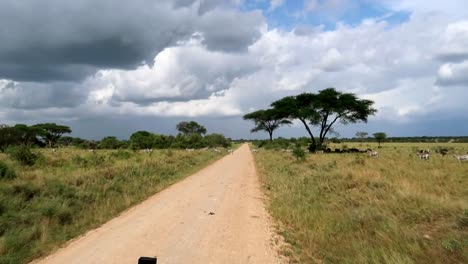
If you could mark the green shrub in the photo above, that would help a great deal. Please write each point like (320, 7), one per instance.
(299, 153)
(452, 244)
(6, 172)
(23, 155)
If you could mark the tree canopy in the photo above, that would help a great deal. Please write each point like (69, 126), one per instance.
(267, 120)
(361, 134)
(52, 132)
(324, 110)
(110, 143)
(380, 137)
(190, 128)
(141, 140)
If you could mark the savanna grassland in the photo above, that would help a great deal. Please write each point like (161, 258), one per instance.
(71, 191)
(352, 208)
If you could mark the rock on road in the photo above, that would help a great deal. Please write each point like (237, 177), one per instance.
(214, 216)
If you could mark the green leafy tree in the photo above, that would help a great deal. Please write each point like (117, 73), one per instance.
(162, 141)
(216, 140)
(52, 132)
(141, 140)
(380, 137)
(110, 143)
(195, 141)
(29, 134)
(190, 128)
(267, 120)
(65, 141)
(9, 136)
(324, 110)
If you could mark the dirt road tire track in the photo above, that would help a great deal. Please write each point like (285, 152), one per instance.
(214, 216)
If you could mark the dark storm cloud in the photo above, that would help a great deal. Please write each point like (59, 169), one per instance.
(45, 72)
(68, 40)
(453, 56)
(30, 96)
(237, 32)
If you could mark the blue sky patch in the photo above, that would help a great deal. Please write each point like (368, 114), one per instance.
(327, 13)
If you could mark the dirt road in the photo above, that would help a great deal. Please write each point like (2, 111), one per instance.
(214, 216)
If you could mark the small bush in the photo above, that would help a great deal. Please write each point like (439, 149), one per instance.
(299, 153)
(6, 172)
(23, 155)
(452, 244)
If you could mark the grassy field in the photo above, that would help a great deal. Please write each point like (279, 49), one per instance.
(351, 208)
(71, 191)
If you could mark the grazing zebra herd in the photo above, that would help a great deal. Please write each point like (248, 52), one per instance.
(422, 154)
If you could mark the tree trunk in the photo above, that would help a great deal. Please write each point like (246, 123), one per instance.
(312, 146)
(271, 135)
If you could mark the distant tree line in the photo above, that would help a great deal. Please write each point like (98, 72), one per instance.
(422, 139)
(41, 135)
(285, 143)
(191, 135)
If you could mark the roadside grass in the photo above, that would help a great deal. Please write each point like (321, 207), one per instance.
(71, 191)
(351, 208)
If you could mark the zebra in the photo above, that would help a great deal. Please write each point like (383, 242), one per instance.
(461, 158)
(372, 153)
(423, 156)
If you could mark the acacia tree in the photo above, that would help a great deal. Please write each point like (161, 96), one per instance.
(380, 137)
(324, 110)
(52, 132)
(190, 128)
(361, 135)
(298, 107)
(28, 134)
(266, 120)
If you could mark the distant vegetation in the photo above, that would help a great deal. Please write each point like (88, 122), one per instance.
(353, 208)
(192, 135)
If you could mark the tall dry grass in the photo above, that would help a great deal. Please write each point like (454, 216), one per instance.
(351, 208)
(71, 191)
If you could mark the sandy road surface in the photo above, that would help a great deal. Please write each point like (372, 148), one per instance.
(177, 227)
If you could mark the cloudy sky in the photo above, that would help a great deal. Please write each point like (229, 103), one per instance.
(112, 67)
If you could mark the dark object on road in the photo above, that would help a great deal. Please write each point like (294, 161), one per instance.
(211, 213)
(147, 260)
